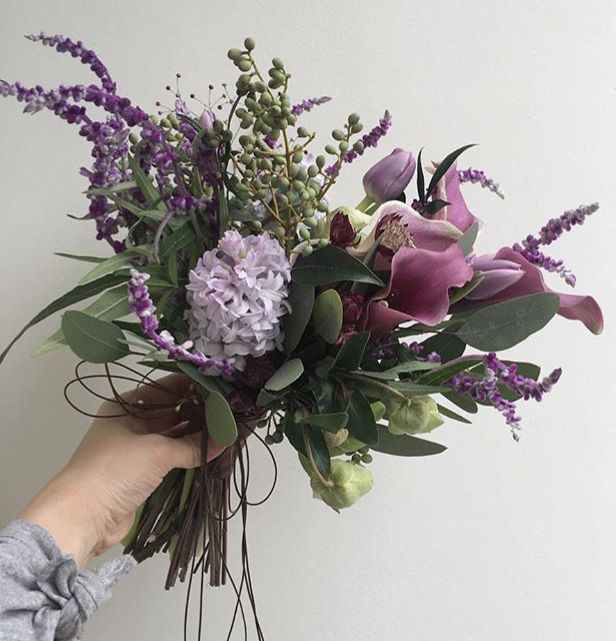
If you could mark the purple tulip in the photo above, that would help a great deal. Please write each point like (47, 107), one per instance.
(498, 274)
(389, 177)
(206, 119)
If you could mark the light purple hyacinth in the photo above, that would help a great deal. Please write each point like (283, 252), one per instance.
(551, 231)
(308, 104)
(477, 176)
(237, 295)
(371, 139)
(142, 305)
(486, 389)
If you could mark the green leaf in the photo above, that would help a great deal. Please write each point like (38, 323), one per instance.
(506, 324)
(177, 240)
(445, 411)
(393, 373)
(208, 383)
(108, 266)
(285, 375)
(463, 401)
(76, 295)
(92, 339)
(328, 422)
(352, 352)
(111, 305)
(221, 425)
(115, 189)
(84, 259)
(417, 389)
(145, 184)
(405, 445)
(467, 241)
(444, 165)
(448, 370)
(362, 425)
(332, 265)
(318, 449)
(323, 391)
(421, 182)
(301, 299)
(448, 346)
(327, 315)
(434, 206)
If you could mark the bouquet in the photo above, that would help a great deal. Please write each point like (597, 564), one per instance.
(345, 331)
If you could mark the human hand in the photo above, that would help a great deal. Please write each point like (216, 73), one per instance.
(90, 505)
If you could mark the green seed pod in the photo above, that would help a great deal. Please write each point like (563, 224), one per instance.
(297, 157)
(320, 161)
(164, 123)
(358, 146)
(302, 132)
(234, 54)
(298, 185)
(133, 138)
(259, 86)
(266, 99)
(250, 44)
(218, 126)
(338, 134)
(277, 62)
(154, 120)
(322, 206)
(304, 234)
(343, 146)
(274, 84)
(355, 129)
(323, 242)
(306, 251)
(277, 436)
(313, 171)
(353, 119)
(244, 65)
(366, 458)
(302, 174)
(331, 149)
(227, 135)
(311, 222)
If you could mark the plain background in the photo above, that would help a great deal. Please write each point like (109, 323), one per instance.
(492, 539)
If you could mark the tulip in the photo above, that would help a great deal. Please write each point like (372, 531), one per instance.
(572, 306)
(415, 415)
(207, 118)
(498, 274)
(389, 177)
(347, 483)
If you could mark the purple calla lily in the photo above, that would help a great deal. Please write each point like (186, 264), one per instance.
(572, 306)
(418, 288)
(498, 274)
(456, 212)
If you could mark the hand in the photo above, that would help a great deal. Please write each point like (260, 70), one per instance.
(90, 505)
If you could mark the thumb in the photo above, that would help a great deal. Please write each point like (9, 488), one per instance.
(185, 452)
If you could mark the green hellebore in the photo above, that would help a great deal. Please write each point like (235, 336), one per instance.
(415, 415)
(347, 483)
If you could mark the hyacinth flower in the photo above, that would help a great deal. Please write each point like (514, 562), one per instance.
(389, 177)
(572, 306)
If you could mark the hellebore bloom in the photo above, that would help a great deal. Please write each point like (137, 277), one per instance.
(347, 483)
(572, 306)
(456, 212)
(389, 177)
(341, 231)
(498, 274)
(418, 288)
(415, 415)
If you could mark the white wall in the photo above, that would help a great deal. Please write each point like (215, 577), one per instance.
(491, 540)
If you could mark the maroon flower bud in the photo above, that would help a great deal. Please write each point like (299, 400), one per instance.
(352, 307)
(257, 371)
(341, 231)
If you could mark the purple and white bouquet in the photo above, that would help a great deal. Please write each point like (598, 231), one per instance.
(346, 331)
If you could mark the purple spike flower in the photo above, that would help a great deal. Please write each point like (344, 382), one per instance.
(77, 49)
(142, 305)
(487, 389)
(371, 139)
(551, 231)
(477, 176)
(308, 104)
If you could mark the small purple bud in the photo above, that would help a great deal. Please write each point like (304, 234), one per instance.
(498, 275)
(389, 177)
(206, 119)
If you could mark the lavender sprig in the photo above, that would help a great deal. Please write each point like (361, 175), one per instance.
(529, 248)
(486, 389)
(77, 49)
(371, 139)
(478, 176)
(144, 308)
(308, 104)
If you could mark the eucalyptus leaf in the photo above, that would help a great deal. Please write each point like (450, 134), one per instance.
(445, 411)
(221, 425)
(404, 445)
(332, 265)
(328, 422)
(92, 339)
(506, 324)
(208, 383)
(76, 295)
(447, 346)
(463, 401)
(285, 375)
(301, 300)
(447, 371)
(327, 315)
(113, 304)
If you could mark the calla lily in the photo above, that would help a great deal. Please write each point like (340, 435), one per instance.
(498, 274)
(572, 306)
(418, 288)
(456, 212)
(424, 233)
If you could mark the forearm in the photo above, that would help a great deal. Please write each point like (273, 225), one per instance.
(43, 594)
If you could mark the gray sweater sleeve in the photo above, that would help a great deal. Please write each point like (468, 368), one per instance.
(43, 594)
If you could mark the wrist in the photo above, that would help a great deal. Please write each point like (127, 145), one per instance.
(64, 508)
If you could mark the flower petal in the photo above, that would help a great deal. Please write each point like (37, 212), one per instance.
(456, 212)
